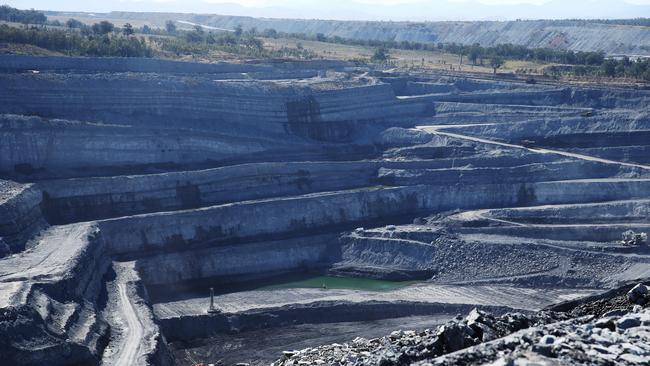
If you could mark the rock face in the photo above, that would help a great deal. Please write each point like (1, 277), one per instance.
(638, 294)
(409, 346)
(20, 215)
(482, 338)
(129, 187)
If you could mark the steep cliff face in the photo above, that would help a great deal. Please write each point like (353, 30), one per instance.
(146, 121)
(50, 296)
(315, 110)
(243, 260)
(20, 215)
(80, 199)
(34, 146)
(256, 219)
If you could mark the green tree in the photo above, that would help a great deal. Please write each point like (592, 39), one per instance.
(381, 55)
(254, 43)
(474, 53)
(496, 62)
(270, 33)
(239, 30)
(170, 27)
(196, 35)
(74, 23)
(21, 16)
(595, 58)
(609, 68)
(103, 27)
(228, 39)
(128, 29)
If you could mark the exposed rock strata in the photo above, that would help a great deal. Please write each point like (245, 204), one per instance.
(191, 175)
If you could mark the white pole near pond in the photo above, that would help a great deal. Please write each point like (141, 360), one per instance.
(212, 309)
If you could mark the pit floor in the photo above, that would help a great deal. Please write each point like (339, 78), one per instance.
(201, 288)
(261, 347)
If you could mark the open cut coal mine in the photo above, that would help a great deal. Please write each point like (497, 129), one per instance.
(321, 201)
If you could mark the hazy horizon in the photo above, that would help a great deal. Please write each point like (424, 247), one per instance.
(397, 10)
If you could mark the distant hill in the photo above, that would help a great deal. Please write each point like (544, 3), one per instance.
(612, 37)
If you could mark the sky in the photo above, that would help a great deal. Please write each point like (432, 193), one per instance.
(416, 10)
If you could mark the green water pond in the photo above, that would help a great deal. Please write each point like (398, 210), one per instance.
(332, 282)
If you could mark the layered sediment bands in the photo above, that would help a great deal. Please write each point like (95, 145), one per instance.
(475, 258)
(623, 211)
(386, 258)
(20, 215)
(256, 219)
(147, 100)
(226, 107)
(523, 97)
(84, 199)
(240, 261)
(411, 85)
(33, 146)
(571, 129)
(597, 223)
(494, 175)
(592, 98)
(605, 134)
(300, 215)
(18, 63)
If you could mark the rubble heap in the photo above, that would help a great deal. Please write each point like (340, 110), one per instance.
(618, 336)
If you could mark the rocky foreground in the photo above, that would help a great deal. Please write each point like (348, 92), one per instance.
(604, 331)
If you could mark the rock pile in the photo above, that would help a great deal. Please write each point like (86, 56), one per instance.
(407, 347)
(616, 338)
(639, 294)
(620, 336)
(631, 238)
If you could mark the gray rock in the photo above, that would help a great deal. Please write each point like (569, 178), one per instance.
(638, 294)
(615, 312)
(605, 323)
(628, 322)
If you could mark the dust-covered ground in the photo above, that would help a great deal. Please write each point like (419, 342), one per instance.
(261, 347)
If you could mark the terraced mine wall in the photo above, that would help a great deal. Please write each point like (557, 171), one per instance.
(83, 199)
(594, 98)
(225, 107)
(298, 217)
(493, 175)
(20, 216)
(22, 63)
(240, 262)
(34, 145)
(256, 219)
(602, 128)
